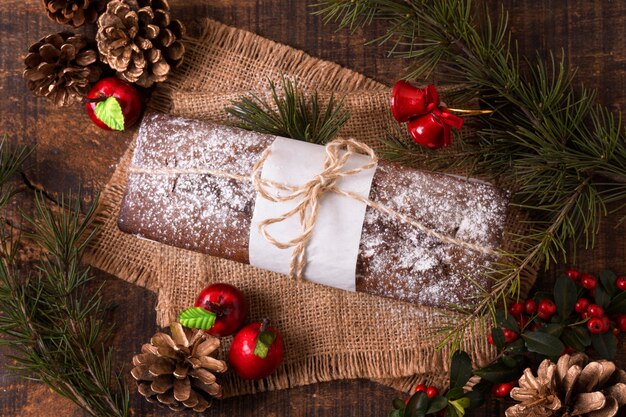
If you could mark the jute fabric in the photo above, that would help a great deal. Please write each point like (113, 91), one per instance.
(329, 334)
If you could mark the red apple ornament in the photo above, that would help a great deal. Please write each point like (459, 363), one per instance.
(220, 309)
(113, 104)
(257, 350)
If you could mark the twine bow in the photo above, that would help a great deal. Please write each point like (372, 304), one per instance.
(337, 154)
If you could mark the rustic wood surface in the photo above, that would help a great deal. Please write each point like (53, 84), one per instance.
(71, 151)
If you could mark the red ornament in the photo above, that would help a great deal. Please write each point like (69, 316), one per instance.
(408, 101)
(429, 123)
(229, 306)
(256, 351)
(117, 117)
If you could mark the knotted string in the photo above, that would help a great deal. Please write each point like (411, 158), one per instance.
(309, 194)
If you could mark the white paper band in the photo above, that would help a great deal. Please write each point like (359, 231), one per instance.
(332, 251)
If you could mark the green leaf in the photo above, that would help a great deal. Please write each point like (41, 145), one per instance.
(263, 343)
(498, 372)
(516, 347)
(436, 404)
(576, 337)
(417, 405)
(617, 304)
(564, 296)
(497, 334)
(608, 280)
(398, 403)
(197, 318)
(397, 412)
(602, 297)
(555, 329)
(460, 405)
(110, 112)
(507, 321)
(605, 344)
(454, 393)
(478, 394)
(543, 343)
(460, 369)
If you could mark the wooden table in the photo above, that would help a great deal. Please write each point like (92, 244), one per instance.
(71, 151)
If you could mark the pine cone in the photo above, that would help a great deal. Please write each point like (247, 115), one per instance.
(139, 40)
(571, 387)
(74, 12)
(61, 67)
(178, 371)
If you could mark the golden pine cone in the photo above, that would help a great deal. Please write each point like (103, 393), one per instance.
(178, 370)
(74, 12)
(139, 40)
(571, 387)
(61, 67)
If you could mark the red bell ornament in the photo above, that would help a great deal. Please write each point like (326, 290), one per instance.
(408, 101)
(433, 130)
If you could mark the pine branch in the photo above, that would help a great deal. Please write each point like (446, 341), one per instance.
(56, 332)
(290, 114)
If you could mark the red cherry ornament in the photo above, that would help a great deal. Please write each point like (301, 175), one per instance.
(256, 351)
(621, 322)
(229, 305)
(510, 336)
(113, 104)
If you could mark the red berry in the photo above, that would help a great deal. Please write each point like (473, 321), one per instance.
(432, 392)
(535, 326)
(490, 339)
(606, 324)
(502, 390)
(516, 309)
(621, 283)
(621, 322)
(584, 315)
(581, 305)
(573, 274)
(546, 309)
(530, 306)
(595, 310)
(595, 325)
(510, 336)
(420, 387)
(588, 281)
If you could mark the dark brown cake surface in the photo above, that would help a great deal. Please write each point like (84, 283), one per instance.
(212, 213)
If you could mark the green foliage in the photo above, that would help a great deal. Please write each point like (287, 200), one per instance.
(55, 330)
(291, 114)
(197, 318)
(562, 155)
(110, 112)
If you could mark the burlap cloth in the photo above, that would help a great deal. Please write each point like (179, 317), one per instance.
(329, 334)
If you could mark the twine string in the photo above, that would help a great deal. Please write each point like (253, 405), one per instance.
(308, 196)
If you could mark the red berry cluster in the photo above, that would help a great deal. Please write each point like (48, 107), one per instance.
(597, 321)
(431, 391)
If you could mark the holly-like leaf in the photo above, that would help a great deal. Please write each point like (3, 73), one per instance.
(564, 296)
(605, 344)
(110, 112)
(543, 343)
(460, 369)
(608, 280)
(617, 304)
(498, 372)
(437, 404)
(197, 318)
(577, 337)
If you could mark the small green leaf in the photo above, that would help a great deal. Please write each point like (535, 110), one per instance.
(576, 337)
(197, 318)
(617, 304)
(608, 280)
(436, 404)
(263, 343)
(478, 394)
(460, 369)
(110, 112)
(417, 405)
(498, 372)
(396, 412)
(507, 321)
(543, 343)
(516, 347)
(564, 296)
(454, 393)
(602, 297)
(460, 405)
(398, 403)
(555, 329)
(497, 334)
(605, 344)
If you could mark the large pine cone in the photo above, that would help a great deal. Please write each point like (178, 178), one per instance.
(178, 371)
(61, 67)
(571, 387)
(139, 40)
(74, 12)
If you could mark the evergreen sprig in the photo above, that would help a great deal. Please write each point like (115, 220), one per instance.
(563, 155)
(290, 114)
(54, 329)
